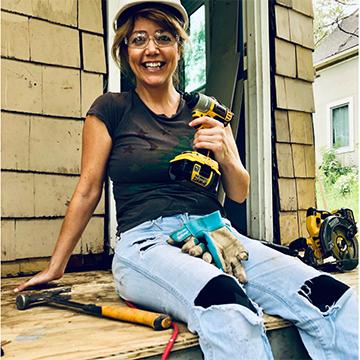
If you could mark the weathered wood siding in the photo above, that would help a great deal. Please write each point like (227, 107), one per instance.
(294, 135)
(53, 61)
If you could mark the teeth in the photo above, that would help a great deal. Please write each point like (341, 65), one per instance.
(152, 65)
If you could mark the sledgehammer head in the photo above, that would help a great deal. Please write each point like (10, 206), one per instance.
(23, 301)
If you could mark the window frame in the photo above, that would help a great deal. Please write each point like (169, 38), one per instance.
(329, 111)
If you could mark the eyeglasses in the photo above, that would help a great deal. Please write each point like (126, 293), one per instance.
(141, 39)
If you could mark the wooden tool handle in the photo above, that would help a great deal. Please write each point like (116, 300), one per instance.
(155, 320)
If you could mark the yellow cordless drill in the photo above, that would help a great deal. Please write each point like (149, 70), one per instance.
(199, 167)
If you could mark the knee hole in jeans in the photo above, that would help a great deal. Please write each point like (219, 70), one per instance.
(323, 291)
(223, 290)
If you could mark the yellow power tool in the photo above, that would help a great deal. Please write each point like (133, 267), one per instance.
(199, 167)
(330, 234)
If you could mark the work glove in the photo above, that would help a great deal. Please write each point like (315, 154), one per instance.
(210, 234)
(192, 246)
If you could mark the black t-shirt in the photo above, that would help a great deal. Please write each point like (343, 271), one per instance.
(143, 145)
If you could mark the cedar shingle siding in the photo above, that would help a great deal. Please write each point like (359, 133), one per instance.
(53, 63)
(294, 142)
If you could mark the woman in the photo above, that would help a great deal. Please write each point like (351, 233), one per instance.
(134, 135)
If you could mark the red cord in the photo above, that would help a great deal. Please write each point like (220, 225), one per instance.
(129, 304)
(172, 339)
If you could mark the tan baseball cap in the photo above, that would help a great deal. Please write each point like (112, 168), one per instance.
(126, 5)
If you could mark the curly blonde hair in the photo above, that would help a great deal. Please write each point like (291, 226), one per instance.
(164, 19)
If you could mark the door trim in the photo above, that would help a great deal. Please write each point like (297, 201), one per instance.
(258, 120)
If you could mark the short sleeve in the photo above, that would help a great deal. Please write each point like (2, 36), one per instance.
(105, 109)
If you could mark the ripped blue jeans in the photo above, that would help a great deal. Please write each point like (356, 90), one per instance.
(153, 274)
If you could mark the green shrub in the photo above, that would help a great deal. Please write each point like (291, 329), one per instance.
(337, 185)
(331, 168)
(346, 183)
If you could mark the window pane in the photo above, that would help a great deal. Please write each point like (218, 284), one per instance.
(340, 126)
(195, 55)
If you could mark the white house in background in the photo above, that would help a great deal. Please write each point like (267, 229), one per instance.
(336, 93)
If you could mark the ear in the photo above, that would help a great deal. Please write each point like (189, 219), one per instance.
(179, 52)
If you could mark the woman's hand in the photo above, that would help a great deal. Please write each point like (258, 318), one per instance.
(40, 278)
(213, 135)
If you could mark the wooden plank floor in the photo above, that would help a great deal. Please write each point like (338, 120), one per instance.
(46, 333)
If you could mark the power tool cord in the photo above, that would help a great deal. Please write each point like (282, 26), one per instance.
(172, 339)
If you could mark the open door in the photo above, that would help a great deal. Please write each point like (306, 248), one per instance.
(214, 65)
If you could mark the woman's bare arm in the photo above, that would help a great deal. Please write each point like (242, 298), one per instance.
(95, 152)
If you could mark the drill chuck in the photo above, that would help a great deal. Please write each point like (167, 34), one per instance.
(198, 101)
(191, 98)
(203, 105)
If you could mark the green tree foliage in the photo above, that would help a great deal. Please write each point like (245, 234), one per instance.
(195, 54)
(328, 14)
(195, 58)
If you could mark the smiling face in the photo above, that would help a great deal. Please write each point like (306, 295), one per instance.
(153, 66)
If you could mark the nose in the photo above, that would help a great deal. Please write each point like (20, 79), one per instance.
(151, 47)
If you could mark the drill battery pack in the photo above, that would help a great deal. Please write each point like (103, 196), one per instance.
(194, 167)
